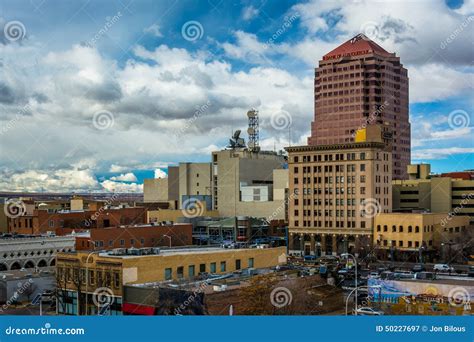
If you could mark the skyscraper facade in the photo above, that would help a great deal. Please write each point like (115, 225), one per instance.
(360, 84)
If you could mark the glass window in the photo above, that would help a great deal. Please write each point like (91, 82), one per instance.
(202, 268)
(191, 270)
(250, 262)
(180, 272)
(213, 267)
(223, 266)
(168, 273)
(237, 264)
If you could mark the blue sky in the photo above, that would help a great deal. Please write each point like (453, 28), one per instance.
(101, 94)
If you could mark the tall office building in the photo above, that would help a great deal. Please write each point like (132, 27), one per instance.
(360, 84)
(335, 191)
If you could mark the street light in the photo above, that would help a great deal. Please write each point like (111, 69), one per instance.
(169, 237)
(348, 255)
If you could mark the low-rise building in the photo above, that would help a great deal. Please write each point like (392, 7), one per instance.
(19, 251)
(137, 236)
(449, 193)
(421, 236)
(19, 286)
(85, 277)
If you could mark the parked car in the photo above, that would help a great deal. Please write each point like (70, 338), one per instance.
(470, 271)
(418, 268)
(425, 275)
(367, 311)
(374, 275)
(443, 268)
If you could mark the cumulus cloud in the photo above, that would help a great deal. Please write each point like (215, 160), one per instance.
(159, 173)
(249, 12)
(154, 30)
(125, 177)
(112, 186)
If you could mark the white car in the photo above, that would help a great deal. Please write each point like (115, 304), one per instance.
(366, 311)
(443, 268)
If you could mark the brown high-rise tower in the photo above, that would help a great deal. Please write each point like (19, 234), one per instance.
(359, 84)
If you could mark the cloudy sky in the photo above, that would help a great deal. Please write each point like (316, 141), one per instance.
(97, 95)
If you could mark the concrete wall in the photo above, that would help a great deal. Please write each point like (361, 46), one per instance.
(155, 190)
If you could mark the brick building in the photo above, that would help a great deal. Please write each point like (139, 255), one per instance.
(360, 84)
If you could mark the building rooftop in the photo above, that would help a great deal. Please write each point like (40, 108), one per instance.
(26, 273)
(331, 147)
(358, 45)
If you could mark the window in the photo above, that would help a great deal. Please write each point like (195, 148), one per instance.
(362, 167)
(116, 280)
(378, 227)
(410, 229)
(223, 266)
(191, 270)
(417, 229)
(213, 267)
(237, 264)
(180, 272)
(168, 273)
(362, 156)
(122, 242)
(202, 268)
(250, 262)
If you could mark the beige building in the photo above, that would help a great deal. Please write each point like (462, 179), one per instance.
(187, 179)
(409, 236)
(235, 170)
(89, 273)
(334, 193)
(437, 194)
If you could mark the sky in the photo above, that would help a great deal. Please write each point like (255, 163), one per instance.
(98, 95)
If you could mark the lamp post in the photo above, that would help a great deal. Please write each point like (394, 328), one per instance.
(169, 237)
(347, 255)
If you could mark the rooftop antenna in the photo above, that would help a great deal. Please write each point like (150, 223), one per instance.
(253, 130)
(289, 135)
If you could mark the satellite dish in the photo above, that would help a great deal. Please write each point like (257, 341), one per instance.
(252, 113)
(250, 130)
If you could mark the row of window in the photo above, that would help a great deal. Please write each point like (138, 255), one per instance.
(191, 270)
(415, 244)
(92, 277)
(329, 224)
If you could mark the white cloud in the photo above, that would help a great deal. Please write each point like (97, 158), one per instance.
(249, 12)
(440, 153)
(112, 186)
(125, 177)
(159, 173)
(154, 30)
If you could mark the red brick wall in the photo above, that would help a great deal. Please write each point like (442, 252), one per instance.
(110, 238)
